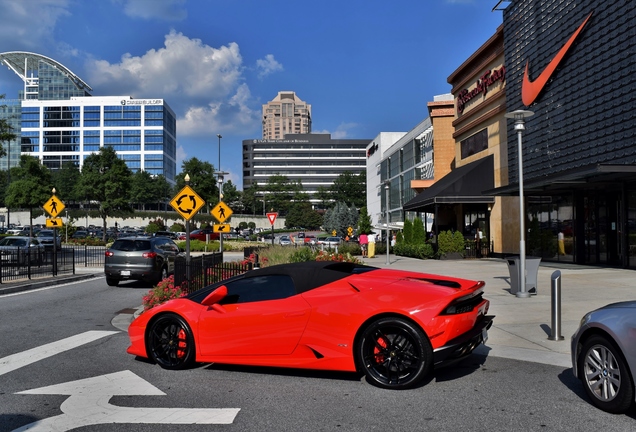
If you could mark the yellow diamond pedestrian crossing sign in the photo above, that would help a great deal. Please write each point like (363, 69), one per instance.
(54, 206)
(221, 212)
(187, 203)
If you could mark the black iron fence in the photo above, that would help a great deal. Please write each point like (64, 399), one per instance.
(23, 263)
(474, 249)
(88, 256)
(204, 270)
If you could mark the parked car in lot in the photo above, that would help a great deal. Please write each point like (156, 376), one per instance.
(310, 239)
(433, 320)
(168, 234)
(21, 250)
(202, 234)
(150, 259)
(330, 241)
(604, 356)
(284, 240)
(80, 234)
(45, 237)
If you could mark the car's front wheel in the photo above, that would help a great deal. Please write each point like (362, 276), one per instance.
(605, 375)
(170, 342)
(394, 353)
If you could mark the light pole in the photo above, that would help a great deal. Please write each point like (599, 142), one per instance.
(219, 167)
(386, 219)
(519, 116)
(187, 224)
(220, 180)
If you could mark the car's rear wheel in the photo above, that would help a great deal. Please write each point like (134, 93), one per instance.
(394, 353)
(605, 375)
(170, 342)
(112, 282)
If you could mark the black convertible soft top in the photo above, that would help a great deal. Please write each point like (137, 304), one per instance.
(313, 274)
(305, 275)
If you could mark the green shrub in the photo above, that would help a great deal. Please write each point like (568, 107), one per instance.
(177, 227)
(420, 251)
(303, 254)
(449, 242)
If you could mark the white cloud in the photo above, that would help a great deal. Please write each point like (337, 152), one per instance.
(268, 66)
(341, 132)
(28, 25)
(166, 10)
(203, 84)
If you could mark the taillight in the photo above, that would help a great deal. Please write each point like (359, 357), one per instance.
(149, 254)
(109, 253)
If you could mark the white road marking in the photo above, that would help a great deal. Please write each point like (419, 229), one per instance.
(88, 404)
(16, 361)
(49, 287)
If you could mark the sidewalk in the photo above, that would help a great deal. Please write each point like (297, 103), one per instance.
(522, 325)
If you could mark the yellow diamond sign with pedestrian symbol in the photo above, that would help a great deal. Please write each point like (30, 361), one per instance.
(221, 212)
(187, 203)
(54, 206)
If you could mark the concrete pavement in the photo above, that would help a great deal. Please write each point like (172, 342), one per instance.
(522, 325)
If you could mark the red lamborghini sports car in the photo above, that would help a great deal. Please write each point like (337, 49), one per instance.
(392, 325)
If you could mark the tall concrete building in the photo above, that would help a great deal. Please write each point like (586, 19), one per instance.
(286, 114)
(58, 121)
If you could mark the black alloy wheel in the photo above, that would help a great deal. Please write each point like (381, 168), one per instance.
(605, 376)
(170, 343)
(394, 353)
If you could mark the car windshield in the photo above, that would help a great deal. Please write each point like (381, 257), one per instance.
(129, 245)
(8, 241)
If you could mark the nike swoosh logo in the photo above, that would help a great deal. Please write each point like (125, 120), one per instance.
(531, 89)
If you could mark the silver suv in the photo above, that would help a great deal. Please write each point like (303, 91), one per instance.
(149, 259)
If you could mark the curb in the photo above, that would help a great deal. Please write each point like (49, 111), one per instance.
(35, 284)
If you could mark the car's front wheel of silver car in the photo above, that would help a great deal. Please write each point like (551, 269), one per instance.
(394, 353)
(605, 376)
(170, 342)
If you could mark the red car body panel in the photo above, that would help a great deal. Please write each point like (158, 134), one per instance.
(317, 329)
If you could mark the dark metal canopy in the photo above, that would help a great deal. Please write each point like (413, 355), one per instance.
(463, 185)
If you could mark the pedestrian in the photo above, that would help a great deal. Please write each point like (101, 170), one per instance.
(371, 239)
(478, 237)
(364, 240)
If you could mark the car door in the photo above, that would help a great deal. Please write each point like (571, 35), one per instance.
(261, 315)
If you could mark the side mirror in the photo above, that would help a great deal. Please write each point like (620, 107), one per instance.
(215, 296)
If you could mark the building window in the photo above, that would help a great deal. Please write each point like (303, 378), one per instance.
(475, 143)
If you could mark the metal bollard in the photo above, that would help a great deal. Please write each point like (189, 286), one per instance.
(556, 307)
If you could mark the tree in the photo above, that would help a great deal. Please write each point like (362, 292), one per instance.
(419, 236)
(302, 215)
(323, 194)
(6, 134)
(106, 179)
(350, 188)
(148, 189)
(339, 218)
(232, 197)
(408, 232)
(364, 222)
(281, 193)
(65, 180)
(202, 180)
(31, 185)
(250, 200)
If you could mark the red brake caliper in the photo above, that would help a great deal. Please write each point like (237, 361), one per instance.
(379, 358)
(182, 343)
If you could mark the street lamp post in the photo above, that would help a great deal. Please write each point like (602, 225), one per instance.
(187, 224)
(386, 219)
(219, 167)
(519, 116)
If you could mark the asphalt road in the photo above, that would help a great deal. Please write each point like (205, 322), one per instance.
(92, 377)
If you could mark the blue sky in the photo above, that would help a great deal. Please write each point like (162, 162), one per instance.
(365, 66)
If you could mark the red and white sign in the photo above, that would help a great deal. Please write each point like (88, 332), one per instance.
(272, 217)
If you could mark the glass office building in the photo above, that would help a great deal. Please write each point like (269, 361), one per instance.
(58, 121)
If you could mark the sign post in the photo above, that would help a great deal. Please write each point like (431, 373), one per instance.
(221, 212)
(187, 203)
(54, 207)
(272, 218)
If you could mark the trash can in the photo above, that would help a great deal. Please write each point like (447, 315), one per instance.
(532, 271)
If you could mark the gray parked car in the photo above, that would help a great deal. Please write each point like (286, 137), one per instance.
(45, 237)
(21, 250)
(150, 259)
(604, 356)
